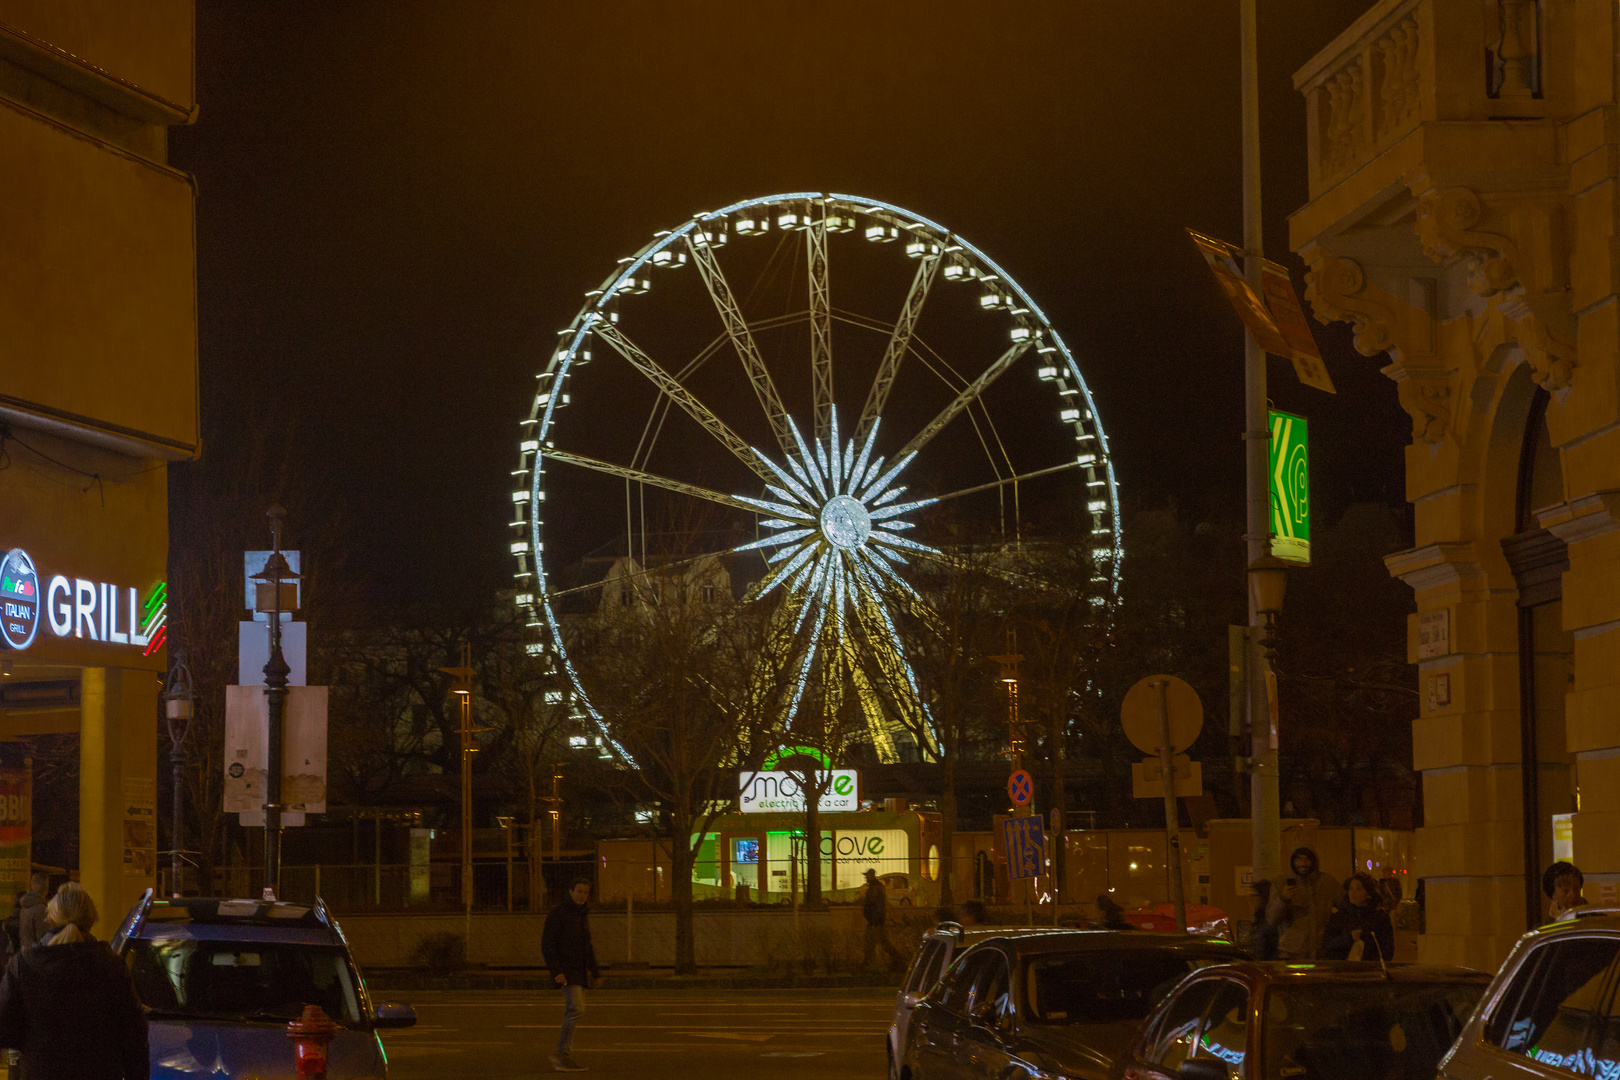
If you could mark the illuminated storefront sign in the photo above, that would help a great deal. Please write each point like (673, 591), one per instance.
(77, 608)
(779, 792)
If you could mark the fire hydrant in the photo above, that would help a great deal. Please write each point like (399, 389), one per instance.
(311, 1033)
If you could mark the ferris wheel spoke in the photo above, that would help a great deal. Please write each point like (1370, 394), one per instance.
(725, 302)
(821, 372)
(877, 723)
(677, 393)
(968, 396)
(884, 639)
(899, 344)
(1020, 478)
(646, 478)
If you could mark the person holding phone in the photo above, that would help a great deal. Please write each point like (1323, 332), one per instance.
(1300, 905)
(571, 958)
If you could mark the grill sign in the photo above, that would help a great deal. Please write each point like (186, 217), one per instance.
(19, 591)
(76, 608)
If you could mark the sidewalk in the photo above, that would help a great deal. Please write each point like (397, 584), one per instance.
(392, 980)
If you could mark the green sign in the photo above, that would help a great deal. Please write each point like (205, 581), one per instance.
(1290, 488)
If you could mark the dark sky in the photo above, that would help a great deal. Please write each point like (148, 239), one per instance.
(401, 203)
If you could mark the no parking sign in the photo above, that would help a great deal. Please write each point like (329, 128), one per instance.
(1020, 787)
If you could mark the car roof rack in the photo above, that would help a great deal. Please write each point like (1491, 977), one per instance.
(1586, 911)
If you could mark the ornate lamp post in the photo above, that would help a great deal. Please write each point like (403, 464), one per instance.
(277, 592)
(177, 709)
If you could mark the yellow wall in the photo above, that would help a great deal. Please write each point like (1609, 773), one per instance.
(1462, 219)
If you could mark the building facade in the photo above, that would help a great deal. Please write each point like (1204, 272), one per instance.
(98, 394)
(1462, 216)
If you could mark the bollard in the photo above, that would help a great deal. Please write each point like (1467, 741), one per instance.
(311, 1033)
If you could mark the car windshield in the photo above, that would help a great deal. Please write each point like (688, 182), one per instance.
(1363, 1030)
(242, 980)
(1101, 986)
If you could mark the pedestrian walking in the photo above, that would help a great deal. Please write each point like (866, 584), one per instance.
(1359, 927)
(1563, 883)
(566, 945)
(69, 1004)
(875, 906)
(31, 919)
(1300, 905)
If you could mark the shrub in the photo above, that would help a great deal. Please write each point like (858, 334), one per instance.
(443, 953)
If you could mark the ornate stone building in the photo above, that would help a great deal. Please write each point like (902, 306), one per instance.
(1462, 216)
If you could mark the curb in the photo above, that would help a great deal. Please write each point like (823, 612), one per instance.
(398, 980)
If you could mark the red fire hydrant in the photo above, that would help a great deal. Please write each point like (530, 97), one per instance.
(310, 1034)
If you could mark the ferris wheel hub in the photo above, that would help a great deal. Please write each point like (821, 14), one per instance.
(845, 522)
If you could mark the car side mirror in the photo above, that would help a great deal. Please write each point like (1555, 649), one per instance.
(391, 1014)
(1204, 1069)
(910, 998)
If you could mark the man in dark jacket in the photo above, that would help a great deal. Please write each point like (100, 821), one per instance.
(875, 906)
(571, 959)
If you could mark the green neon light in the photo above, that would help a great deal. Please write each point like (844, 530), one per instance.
(160, 592)
(774, 758)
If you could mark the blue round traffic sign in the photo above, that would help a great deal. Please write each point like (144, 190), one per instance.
(1020, 787)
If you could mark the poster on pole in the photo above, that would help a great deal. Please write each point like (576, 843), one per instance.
(16, 828)
(247, 751)
(1272, 313)
(1290, 483)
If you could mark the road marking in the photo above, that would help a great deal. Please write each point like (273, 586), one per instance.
(739, 1036)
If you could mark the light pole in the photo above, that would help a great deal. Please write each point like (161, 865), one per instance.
(1264, 572)
(463, 691)
(277, 591)
(178, 711)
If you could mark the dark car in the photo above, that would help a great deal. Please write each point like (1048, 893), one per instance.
(939, 947)
(1052, 1004)
(1321, 1021)
(1551, 1011)
(220, 979)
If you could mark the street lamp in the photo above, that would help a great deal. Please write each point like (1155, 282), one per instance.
(277, 591)
(178, 711)
(1266, 587)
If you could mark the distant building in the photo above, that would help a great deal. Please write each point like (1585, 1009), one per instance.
(98, 393)
(1462, 217)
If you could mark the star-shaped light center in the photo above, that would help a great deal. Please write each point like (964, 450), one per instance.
(845, 522)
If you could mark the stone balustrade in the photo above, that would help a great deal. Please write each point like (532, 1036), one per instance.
(1407, 62)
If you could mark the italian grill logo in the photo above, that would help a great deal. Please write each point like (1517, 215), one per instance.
(19, 592)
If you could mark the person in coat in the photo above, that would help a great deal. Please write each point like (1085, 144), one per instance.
(69, 1004)
(1300, 905)
(1359, 928)
(571, 958)
(31, 919)
(875, 906)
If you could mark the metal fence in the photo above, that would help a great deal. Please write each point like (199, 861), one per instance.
(383, 887)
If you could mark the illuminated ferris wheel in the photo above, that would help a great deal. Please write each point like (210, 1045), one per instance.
(829, 482)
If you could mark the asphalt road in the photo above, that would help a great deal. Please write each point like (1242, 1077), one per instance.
(795, 1034)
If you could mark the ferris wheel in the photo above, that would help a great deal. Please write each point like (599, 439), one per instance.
(703, 371)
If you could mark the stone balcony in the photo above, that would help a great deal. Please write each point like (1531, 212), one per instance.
(1406, 63)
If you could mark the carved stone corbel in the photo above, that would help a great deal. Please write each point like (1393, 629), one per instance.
(1446, 220)
(1546, 335)
(1428, 402)
(1337, 291)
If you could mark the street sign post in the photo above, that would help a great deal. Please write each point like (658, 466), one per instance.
(1020, 787)
(1179, 715)
(1290, 476)
(1025, 845)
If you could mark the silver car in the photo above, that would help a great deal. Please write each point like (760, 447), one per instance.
(939, 947)
(1551, 1010)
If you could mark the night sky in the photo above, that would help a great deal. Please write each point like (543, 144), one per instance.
(402, 203)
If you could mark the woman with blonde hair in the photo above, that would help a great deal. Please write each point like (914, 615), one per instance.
(68, 1003)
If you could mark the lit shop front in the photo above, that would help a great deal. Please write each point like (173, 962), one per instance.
(767, 853)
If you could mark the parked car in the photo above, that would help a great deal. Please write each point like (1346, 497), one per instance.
(1055, 1004)
(220, 979)
(1551, 1009)
(939, 946)
(897, 890)
(1322, 1021)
